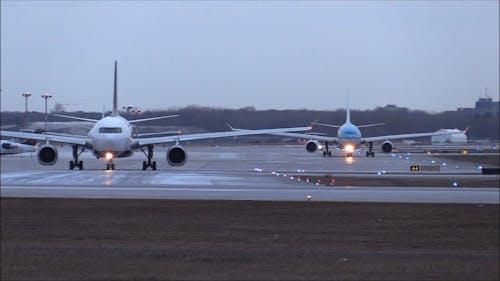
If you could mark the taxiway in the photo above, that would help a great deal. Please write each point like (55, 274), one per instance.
(250, 173)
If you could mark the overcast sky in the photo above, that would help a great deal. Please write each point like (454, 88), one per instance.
(432, 56)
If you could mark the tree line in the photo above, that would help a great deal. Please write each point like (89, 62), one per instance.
(398, 120)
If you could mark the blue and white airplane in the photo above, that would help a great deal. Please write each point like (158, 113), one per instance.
(112, 137)
(349, 138)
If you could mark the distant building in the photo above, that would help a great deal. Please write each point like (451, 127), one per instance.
(452, 138)
(483, 106)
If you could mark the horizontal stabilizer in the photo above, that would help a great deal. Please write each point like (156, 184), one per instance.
(370, 125)
(152, 118)
(326, 125)
(76, 118)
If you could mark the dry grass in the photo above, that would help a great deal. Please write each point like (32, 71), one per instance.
(77, 239)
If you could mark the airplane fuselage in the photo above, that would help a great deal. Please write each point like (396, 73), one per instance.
(112, 134)
(349, 134)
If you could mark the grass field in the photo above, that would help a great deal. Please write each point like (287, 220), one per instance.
(80, 239)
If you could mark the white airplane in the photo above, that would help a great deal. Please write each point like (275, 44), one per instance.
(14, 147)
(349, 138)
(19, 145)
(112, 137)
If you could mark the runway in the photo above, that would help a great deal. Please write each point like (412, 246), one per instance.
(247, 173)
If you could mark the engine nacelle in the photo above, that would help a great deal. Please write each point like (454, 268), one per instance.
(312, 146)
(387, 146)
(47, 155)
(176, 156)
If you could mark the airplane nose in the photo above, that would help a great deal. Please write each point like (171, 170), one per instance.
(110, 144)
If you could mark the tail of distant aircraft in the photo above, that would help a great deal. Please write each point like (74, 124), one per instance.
(115, 92)
(348, 115)
(348, 111)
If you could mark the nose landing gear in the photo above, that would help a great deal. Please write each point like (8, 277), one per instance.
(110, 166)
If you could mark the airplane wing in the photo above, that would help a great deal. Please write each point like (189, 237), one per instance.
(308, 136)
(159, 133)
(65, 135)
(44, 137)
(167, 139)
(407, 136)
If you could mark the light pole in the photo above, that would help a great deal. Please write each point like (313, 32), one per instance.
(26, 96)
(46, 96)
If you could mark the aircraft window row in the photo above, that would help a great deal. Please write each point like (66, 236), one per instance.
(110, 130)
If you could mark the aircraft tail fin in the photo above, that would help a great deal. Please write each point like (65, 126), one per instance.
(231, 127)
(348, 111)
(115, 92)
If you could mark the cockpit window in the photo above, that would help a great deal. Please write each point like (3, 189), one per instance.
(110, 130)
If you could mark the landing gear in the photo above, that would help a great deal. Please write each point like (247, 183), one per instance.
(327, 151)
(149, 155)
(110, 166)
(370, 151)
(75, 162)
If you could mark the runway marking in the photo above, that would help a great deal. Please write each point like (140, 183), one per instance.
(350, 194)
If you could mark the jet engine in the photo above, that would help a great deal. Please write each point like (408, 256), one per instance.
(387, 146)
(312, 146)
(176, 155)
(47, 155)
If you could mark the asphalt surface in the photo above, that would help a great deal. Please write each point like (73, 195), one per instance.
(253, 173)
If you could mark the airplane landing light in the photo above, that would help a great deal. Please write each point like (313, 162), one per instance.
(109, 156)
(349, 148)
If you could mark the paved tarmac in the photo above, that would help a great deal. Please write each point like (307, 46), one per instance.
(243, 173)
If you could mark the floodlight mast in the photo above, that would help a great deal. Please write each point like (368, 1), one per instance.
(26, 96)
(46, 96)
